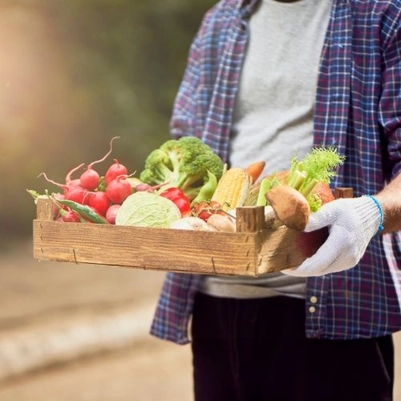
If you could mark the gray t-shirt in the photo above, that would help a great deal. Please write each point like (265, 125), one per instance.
(273, 117)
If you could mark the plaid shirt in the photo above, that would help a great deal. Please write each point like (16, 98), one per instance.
(358, 110)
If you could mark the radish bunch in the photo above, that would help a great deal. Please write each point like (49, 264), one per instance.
(103, 194)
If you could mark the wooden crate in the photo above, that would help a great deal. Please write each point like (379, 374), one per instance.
(251, 251)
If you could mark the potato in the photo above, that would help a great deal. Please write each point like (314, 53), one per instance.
(222, 223)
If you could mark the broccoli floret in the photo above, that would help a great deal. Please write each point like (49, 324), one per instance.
(186, 163)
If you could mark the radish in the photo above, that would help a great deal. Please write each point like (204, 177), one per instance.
(119, 189)
(70, 217)
(63, 212)
(69, 181)
(70, 191)
(90, 179)
(143, 187)
(99, 201)
(112, 213)
(78, 194)
(115, 170)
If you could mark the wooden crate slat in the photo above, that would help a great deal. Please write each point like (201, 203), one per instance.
(148, 248)
(249, 253)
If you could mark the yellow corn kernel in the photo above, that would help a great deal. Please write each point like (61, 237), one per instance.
(232, 188)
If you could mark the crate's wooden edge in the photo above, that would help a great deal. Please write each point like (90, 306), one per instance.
(247, 236)
(52, 241)
(264, 250)
(44, 257)
(287, 248)
(44, 209)
(277, 251)
(254, 253)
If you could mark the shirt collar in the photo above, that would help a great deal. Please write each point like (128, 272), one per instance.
(248, 4)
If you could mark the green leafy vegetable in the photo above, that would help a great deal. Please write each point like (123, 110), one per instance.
(318, 166)
(146, 209)
(186, 163)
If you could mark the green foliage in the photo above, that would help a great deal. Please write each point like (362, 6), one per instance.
(319, 165)
(77, 73)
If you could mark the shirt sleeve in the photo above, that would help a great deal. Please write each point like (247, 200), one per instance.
(390, 101)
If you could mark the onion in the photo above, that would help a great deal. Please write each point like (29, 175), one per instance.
(191, 223)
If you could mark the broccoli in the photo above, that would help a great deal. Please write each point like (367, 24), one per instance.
(186, 163)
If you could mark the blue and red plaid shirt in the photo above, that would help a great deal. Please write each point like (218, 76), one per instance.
(358, 110)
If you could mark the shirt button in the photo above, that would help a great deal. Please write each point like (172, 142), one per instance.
(312, 309)
(313, 299)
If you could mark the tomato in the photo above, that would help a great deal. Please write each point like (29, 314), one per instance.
(205, 209)
(179, 198)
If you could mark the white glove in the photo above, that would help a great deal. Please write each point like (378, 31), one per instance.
(352, 223)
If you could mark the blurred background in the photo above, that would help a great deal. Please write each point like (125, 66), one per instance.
(73, 75)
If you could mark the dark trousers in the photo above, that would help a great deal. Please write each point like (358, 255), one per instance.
(256, 350)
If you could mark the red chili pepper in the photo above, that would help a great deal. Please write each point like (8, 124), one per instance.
(179, 198)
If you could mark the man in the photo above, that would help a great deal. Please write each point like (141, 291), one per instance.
(267, 80)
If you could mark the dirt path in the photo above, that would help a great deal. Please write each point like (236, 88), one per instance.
(96, 319)
(54, 312)
(151, 371)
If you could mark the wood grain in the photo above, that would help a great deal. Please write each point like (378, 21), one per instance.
(249, 253)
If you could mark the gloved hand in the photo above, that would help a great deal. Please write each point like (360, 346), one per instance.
(352, 222)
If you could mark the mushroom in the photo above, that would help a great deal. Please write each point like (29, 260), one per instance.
(290, 206)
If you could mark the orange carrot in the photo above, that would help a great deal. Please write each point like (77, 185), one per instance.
(254, 170)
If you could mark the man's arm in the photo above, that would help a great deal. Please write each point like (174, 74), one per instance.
(390, 201)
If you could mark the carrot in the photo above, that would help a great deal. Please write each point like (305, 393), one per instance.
(254, 170)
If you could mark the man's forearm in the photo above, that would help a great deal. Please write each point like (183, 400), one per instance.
(390, 200)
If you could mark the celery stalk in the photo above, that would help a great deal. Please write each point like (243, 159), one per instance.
(317, 166)
(265, 185)
(308, 188)
(297, 179)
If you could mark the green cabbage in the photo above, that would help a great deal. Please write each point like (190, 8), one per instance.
(145, 209)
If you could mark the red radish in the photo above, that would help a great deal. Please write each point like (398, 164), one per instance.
(62, 212)
(72, 192)
(119, 189)
(90, 179)
(99, 201)
(77, 194)
(69, 181)
(115, 170)
(70, 217)
(143, 187)
(112, 213)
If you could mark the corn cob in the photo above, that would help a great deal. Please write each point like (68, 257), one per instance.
(232, 188)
